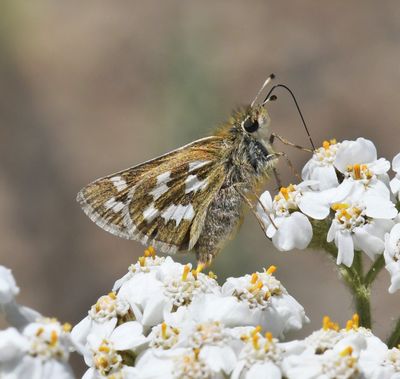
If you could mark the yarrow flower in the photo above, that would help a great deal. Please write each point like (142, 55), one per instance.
(321, 166)
(105, 352)
(165, 289)
(262, 300)
(175, 321)
(211, 334)
(102, 318)
(392, 257)
(360, 225)
(285, 217)
(260, 358)
(17, 315)
(346, 187)
(41, 350)
(395, 182)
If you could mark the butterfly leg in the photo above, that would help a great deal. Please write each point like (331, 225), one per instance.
(289, 163)
(254, 210)
(288, 143)
(277, 178)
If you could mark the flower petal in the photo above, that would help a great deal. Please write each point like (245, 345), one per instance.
(12, 344)
(345, 245)
(219, 358)
(396, 163)
(128, 336)
(355, 152)
(314, 205)
(380, 166)
(324, 175)
(294, 232)
(368, 243)
(378, 207)
(266, 370)
(8, 286)
(395, 184)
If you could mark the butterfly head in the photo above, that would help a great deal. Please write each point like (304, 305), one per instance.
(256, 121)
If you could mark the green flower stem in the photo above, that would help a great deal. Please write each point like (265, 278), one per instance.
(358, 283)
(374, 270)
(358, 263)
(353, 276)
(361, 292)
(394, 339)
(362, 298)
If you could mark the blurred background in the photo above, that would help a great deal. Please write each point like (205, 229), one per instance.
(89, 88)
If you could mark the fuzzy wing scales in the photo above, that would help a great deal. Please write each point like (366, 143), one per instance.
(160, 202)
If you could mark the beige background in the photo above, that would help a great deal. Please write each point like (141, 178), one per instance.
(88, 88)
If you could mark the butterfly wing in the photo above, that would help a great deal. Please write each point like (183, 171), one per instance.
(161, 202)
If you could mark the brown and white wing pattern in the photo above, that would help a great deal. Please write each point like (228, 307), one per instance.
(161, 202)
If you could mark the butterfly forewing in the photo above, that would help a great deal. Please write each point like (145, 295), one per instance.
(160, 202)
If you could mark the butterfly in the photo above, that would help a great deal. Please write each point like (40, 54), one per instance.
(192, 198)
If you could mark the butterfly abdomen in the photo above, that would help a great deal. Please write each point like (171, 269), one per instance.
(223, 218)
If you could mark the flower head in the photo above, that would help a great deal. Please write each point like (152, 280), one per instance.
(191, 366)
(8, 286)
(41, 350)
(360, 225)
(392, 257)
(164, 336)
(395, 182)
(260, 299)
(320, 167)
(287, 227)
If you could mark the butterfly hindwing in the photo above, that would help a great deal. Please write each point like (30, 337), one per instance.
(167, 219)
(159, 202)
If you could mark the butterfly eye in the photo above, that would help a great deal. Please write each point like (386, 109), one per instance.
(250, 126)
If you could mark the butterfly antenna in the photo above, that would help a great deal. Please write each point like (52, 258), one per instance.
(273, 97)
(267, 81)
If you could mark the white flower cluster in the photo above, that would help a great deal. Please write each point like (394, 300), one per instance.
(167, 320)
(164, 320)
(348, 187)
(33, 346)
(349, 353)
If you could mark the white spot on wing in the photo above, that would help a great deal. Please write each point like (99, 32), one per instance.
(169, 212)
(127, 220)
(110, 203)
(116, 206)
(119, 183)
(197, 164)
(194, 184)
(161, 186)
(178, 212)
(164, 177)
(159, 191)
(189, 214)
(150, 213)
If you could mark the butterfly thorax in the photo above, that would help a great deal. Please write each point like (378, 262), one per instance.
(248, 159)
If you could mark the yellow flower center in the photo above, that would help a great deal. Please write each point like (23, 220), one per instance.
(185, 273)
(150, 252)
(354, 323)
(359, 171)
(271, 269)
(328, 324)
(142, 261)
(346, 352)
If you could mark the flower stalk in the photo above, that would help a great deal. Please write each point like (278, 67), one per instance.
(394, 338)
(352, 276)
